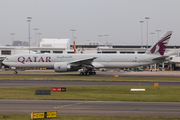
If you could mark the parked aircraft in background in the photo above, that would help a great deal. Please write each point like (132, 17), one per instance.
(89, 62)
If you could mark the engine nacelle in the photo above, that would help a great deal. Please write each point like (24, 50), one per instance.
(62, 67)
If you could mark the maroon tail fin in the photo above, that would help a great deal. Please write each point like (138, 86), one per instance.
(161, 45)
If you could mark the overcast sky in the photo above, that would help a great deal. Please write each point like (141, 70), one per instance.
(120, 19)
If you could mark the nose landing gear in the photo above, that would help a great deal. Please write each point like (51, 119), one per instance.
(15, 72)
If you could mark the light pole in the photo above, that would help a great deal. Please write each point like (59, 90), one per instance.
(75, 39)
(100, 37)
(29, 20)
(106, 38)
(39, 38)
(12, 37)
(141, 33)
(158, 32)
(35, 35)
(72, 35)
(152, 37)
(147, 30)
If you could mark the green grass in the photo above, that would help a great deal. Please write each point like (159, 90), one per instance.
(89, 78)
(85, 117)
(97, 93)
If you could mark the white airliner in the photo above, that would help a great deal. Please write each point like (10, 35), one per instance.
(89, 62)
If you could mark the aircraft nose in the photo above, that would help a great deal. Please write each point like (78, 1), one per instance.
(5, 61)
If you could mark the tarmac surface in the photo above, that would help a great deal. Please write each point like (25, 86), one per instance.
(65, 107)
(100, 73)
(56, 83)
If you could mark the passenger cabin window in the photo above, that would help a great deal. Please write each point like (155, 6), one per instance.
(5, 52)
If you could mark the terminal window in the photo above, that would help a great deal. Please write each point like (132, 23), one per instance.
(45, 51)
(127, 52)
(141, 52)
(109, 52)
(70, 52)
(130, 52)
(56, 52)
(6, 52)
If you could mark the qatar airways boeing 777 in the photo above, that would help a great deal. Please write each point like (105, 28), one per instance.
(89, 62)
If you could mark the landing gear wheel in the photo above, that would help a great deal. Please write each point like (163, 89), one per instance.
(81, 73)
(15, 72)
(87, 73)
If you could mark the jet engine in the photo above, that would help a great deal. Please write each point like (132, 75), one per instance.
(62, 67)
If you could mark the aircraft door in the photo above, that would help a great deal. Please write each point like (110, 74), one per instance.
(139, 60)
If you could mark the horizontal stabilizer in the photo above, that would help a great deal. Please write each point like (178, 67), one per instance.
(160, 58)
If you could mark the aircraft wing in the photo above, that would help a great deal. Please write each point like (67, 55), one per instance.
(84, 62)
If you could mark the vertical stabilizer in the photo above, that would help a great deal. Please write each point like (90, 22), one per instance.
(160, 46)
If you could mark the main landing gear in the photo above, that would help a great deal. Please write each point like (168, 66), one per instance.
(88, 73)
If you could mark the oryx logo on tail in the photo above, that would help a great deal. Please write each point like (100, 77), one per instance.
(161, 45)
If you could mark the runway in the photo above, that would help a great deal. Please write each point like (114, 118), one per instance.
(167, 109)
